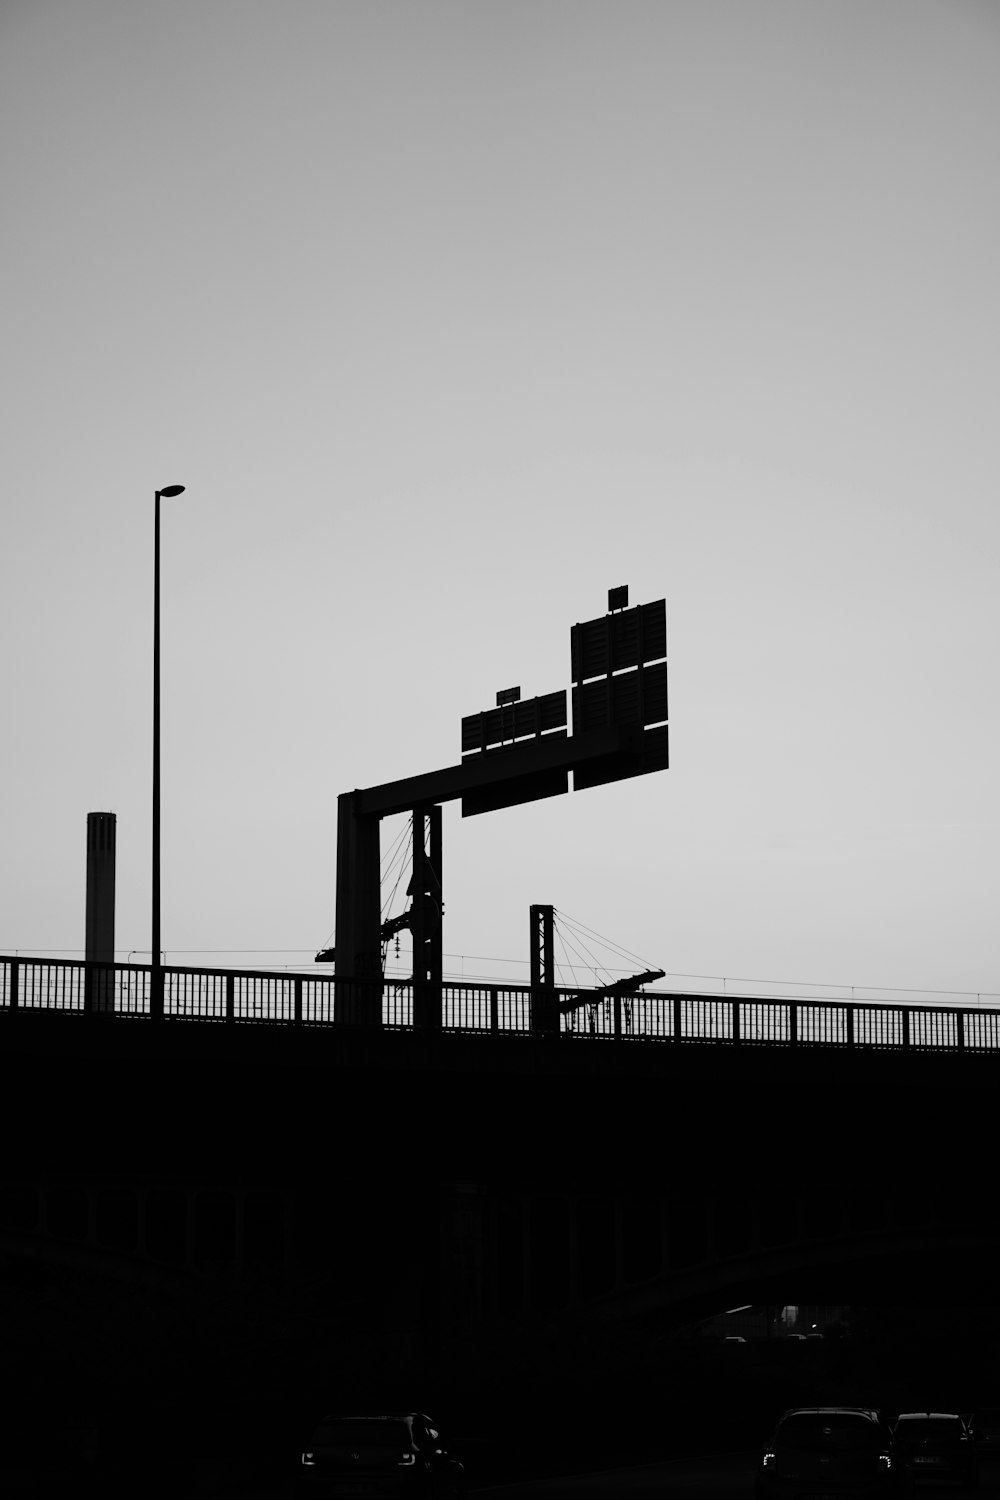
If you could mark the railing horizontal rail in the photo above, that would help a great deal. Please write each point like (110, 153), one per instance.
(252, 996)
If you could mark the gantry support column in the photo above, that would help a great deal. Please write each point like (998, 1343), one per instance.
(359, 916)
(544, 1016)
(425, 922)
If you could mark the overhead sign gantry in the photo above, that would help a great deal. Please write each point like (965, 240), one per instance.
(517, 752)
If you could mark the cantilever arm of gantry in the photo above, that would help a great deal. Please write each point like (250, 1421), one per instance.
(620, 987)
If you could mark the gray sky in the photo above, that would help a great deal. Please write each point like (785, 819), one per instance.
(451, 316)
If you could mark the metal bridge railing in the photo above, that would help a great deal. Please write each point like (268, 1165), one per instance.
(234, 996)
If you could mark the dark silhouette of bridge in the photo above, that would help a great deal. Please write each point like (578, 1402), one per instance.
(660, 1155)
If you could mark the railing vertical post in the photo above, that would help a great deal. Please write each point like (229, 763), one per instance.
(677, 1018)
(906, 1026)
(960, 1029)
(297, 1012)
(12, 999)
(618, 1017)
(735, 1006)
(793, 1023)
(494, 1010)
(230, 997)
(850, 1025)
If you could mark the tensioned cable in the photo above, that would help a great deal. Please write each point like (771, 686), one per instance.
(17, 952)
(557, 939)
(575, 983)
(602, 975)
(599, 936)
(566, 963)
(396, 855)
(597, 965)
(387, 905)
(389, 858)
(583, 962)
(603, 941)
(582, 956)
(573, 1017)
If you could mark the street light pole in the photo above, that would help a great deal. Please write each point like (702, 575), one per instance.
(156, 972)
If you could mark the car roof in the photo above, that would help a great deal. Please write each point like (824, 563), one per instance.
(821, 1411)
(949, 1416)
(372, 1416)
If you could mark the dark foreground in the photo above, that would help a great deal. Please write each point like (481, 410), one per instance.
(723, 1477)
(708, 1478)
(215, 1395)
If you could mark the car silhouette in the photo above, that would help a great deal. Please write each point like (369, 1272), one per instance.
(380, 1456)
(825, 1451)
(936, 1445)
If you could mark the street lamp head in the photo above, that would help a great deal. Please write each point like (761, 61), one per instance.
(172, 490)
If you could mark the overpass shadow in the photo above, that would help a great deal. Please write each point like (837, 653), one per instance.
(624, 1256)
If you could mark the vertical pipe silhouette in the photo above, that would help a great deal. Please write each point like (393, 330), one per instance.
(99, 990)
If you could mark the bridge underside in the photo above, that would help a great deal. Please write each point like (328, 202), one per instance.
(510, 1181)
